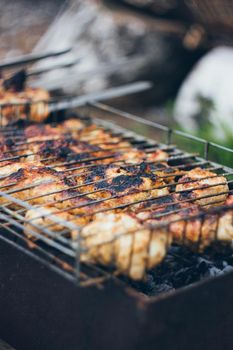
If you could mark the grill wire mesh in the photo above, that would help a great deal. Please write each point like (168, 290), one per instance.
(53, 242)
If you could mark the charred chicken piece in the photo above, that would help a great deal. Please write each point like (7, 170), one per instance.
(119, 185)
(21, 102)
(203, 184)
(119, 191)
(188, 223)
(123, 242)
(167, 173)
(111, 239)
(135, 242)
(129, 251)
(41, 186)
(173, 216)
(31, 181)
(29, 104)
(41, 220)
(218, 227)
(12, 167)
(63, 149)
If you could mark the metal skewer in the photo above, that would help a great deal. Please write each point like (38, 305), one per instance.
(108, 94)
(30, 58)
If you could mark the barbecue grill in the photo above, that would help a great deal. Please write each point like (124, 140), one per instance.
(51, 299)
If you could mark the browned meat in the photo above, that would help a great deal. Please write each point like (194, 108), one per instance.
(121, 240)
(188, 223)
(38, 98)
(203, 184)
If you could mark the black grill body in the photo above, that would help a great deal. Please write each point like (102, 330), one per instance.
(42, 310)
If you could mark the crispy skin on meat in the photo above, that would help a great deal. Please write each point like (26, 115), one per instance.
(199, 231)
(121, 185)
(124, 243)
(94, 134)
(63, 149)
(169, 209)
(203, 183)
(38, 110)
(12, 167)
(44, 186)
(39, 179)
(72, 124)
(44, 142)
(225, 224)
(59, 144)
(217, 227)
(120, 246)
(80, 202)
(131, 156)
(43, 181)
(121, 242)
(38, 130)
(134, 156)
(167, 173)
(36, 220)
(130, 248)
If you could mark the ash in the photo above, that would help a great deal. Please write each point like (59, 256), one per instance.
(182, 267)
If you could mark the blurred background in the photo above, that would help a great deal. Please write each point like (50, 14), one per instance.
(184, 47)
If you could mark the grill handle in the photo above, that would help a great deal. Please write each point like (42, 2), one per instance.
(108, 94)
(30, 58)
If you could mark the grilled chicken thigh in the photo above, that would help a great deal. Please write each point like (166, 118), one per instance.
(80, 196)
(188, 223)
(118, 240)
(48, 221)
(224, 222)
(122, 241)
(203, 184)
(30, 181)
(13, 167)
(173, 213)
(30, 103)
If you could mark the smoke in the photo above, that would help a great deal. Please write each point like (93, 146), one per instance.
(99, 40)
(73, 27)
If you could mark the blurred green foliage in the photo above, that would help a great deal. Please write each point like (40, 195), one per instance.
(206, 130)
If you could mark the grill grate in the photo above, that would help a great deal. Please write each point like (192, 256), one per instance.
(52, 242)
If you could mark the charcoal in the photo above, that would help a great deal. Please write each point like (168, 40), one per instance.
(182, 267)
(227, 269)
(214, 271)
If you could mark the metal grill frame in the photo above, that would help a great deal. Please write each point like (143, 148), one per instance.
(74, 250)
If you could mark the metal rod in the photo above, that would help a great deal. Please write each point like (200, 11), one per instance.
(102, 95)
(112, 110)
(32, 253)
(31, 58)
(98, 201)
(33, 72)
(111, 188)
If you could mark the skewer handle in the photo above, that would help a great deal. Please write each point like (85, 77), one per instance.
(108, 94)
(30, 58)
